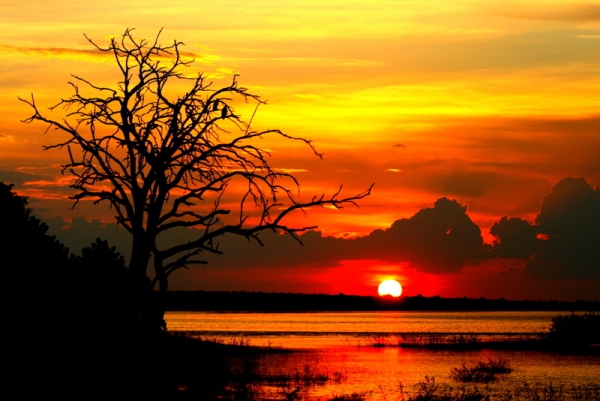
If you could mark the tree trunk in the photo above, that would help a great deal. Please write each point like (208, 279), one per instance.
(145, 309)
(163, 287)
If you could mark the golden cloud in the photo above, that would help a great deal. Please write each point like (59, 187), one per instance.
(290, 170)
(93, 55)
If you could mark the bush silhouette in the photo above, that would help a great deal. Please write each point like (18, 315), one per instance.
(575, 330)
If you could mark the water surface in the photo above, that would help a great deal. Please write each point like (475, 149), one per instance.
(339, 342)
(337, 329)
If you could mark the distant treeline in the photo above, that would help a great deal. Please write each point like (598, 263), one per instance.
(242, 301)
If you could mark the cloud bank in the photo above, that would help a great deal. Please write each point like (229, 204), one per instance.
(442, 240)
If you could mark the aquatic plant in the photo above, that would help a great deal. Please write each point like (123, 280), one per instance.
(481, 372)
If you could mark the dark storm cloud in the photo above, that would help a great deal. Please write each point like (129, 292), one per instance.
(438, 239)
(569, 220)
(515, 238)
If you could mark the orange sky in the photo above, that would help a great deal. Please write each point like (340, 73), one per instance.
(491, 103)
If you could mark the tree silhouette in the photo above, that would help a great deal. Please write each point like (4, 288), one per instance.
(35, 262)
(36, 271)
(103, 283)
(165, 161)
(45, 277)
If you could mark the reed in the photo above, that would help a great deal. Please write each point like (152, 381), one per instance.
(425, 340)
(241, 341)
(437, 339)
(250, 383)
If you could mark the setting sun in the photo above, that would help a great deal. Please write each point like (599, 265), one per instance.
(390, 287)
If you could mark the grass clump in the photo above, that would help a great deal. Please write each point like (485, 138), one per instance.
(257, 380)
(430, 390)
(481, 372)
(550, 392)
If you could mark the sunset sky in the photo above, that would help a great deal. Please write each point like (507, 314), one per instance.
(487, 104)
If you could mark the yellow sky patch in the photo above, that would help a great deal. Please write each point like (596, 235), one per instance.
(357, 77)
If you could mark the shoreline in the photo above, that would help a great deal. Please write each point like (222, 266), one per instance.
(273, 302)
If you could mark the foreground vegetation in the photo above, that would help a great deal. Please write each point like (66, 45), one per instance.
(430, 390)
(236, 370)
(178, 367)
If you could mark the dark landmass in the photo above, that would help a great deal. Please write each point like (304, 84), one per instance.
(242, 301)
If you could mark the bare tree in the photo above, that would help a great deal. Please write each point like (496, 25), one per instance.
(164, 162)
